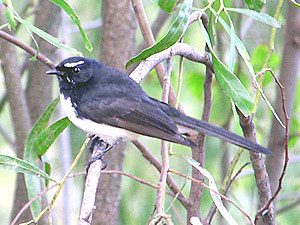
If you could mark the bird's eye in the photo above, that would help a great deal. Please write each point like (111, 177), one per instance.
(76, 69)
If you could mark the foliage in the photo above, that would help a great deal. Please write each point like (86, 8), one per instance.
(228, 80)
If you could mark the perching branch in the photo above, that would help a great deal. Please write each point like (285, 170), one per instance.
(90, 187)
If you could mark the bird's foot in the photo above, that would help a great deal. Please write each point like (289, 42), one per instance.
(104, 148)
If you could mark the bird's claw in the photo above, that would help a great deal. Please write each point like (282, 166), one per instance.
(97, 140)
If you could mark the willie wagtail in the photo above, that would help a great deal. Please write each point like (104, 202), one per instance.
(106, 102)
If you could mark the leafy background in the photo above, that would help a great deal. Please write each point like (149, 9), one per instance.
(136, 197)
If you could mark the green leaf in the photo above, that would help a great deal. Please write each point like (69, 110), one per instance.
(295, 3)
(245, 55)
(261, 17)
(46, 138)
(47, 167)
(239, 44)
(33, 184)
(42, 122)
(232, 86)
(67, 8)
(216, 198)
(210, 29)
(18, 165)
(173, 35)
(255, 4)
(9, 15)
(232, 47)
(229, 83)
(167, 5)
(54, 41)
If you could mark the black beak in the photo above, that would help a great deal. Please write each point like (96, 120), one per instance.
(55, 72)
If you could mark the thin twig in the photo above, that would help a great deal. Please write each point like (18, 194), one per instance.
(149, 39)
(262, 211)
(27, 48)
(198, 153)
(226, 184)
(61, 183)
(210, 189)
(171, 183)
(106, 172)
(164, 148)
(27, 205)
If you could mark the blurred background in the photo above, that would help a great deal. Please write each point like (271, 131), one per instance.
(114, 33)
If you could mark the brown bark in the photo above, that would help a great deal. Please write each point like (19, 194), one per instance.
(20, 116)
(117, 46)
(198, 153)
(260, 172)
(39, 89)
(288, 78)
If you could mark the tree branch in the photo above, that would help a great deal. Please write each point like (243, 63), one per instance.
(26, 48)
(182, 49)
(164, 148)
(171, 183)
(148, 36)
(90, 187)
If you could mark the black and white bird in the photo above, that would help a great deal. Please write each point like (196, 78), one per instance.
(106, 102)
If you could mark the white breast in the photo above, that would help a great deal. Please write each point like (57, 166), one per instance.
(106, 132)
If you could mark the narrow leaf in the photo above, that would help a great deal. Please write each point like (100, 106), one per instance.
(167, 5)
(210, 29)
(255, 4)
(43, 121)
(295, 3)
(47, 167)
(232, 86)
(216, 198)
(229, 83)
(33, 184)
(173, 35)
(9, 15)
(54, 41)
(67, 8)
(246, 57)
(232, 47)
(3, 26)
(46, 138)
(33, 187)
(261, 17)
(18, 165)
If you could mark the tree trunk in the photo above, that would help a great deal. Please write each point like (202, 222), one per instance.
(117, 46)
(20, 116)
(39, 89)
(288, 78)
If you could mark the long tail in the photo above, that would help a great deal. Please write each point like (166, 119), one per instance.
(208, 129)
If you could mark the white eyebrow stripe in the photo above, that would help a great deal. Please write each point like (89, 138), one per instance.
(73, 64)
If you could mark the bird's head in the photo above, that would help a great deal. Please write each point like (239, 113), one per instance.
(74, 70)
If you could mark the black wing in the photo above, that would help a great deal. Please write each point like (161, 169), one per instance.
(209, 129)
(134, 114)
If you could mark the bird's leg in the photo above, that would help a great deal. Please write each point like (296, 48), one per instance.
(97, 141)
(114, 144)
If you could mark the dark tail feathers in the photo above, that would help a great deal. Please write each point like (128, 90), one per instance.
(208, 129)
